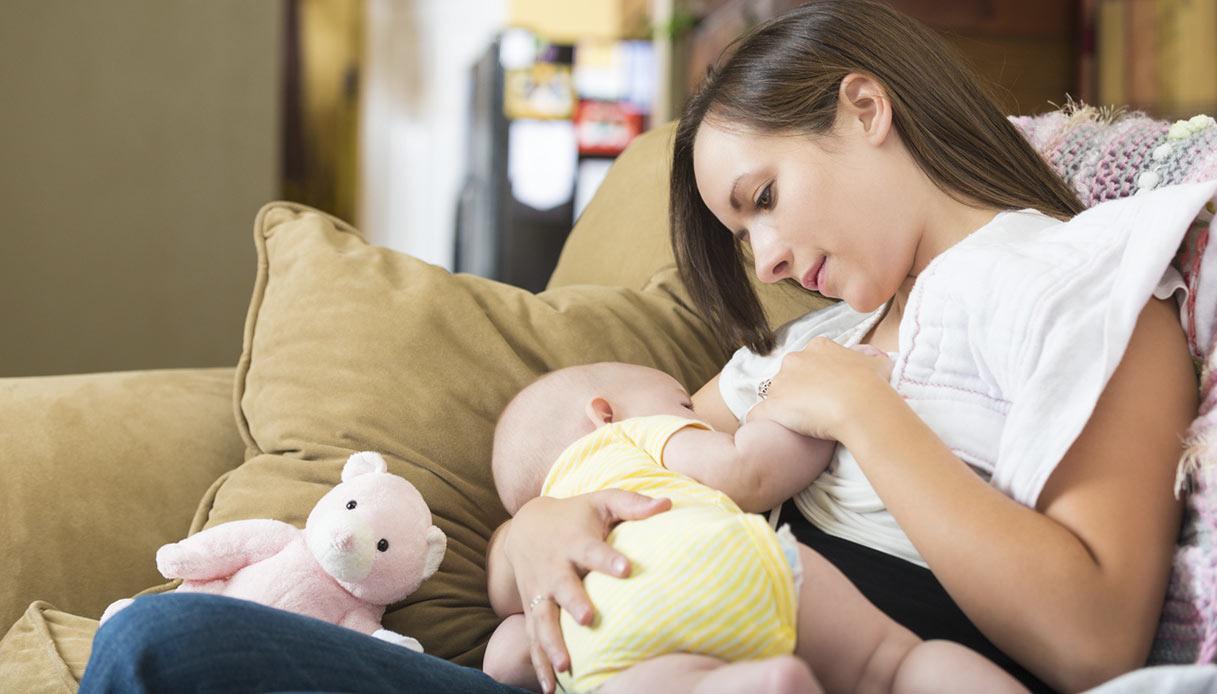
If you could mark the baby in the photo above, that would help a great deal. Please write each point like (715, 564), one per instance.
(715, 596)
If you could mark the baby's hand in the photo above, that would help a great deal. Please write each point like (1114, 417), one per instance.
(880, 361)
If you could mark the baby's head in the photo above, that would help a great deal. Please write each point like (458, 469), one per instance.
(562, 406)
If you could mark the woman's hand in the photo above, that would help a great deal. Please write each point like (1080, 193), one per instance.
(822, 387)
(551, 544)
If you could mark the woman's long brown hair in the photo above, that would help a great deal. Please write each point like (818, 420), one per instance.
(783, 77)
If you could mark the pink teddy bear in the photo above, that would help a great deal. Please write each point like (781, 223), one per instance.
(367, 543)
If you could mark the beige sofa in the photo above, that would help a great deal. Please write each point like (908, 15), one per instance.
(347, 347)
(101, 469)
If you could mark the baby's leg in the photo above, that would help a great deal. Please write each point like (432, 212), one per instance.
(685, 672)
(853, 646)
(507, 658)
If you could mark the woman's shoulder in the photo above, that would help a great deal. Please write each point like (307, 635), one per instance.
(1031, 236)
(1026, 257)
(1013, 237)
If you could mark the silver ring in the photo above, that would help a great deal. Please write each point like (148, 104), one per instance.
(763, 389)
(532, 604)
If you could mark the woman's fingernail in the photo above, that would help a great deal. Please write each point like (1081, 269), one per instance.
(619, 565)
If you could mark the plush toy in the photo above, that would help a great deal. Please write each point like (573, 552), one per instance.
(367, 543)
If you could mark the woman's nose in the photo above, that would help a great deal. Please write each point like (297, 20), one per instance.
(772, 259)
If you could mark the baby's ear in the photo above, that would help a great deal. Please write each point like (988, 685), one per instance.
(599, 411)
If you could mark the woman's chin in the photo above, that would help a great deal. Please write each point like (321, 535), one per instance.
(861, 305)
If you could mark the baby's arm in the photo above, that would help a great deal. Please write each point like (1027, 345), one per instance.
(759, 467)
(500, 578)
(507, 658)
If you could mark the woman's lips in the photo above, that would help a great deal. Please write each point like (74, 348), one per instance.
(815, 276)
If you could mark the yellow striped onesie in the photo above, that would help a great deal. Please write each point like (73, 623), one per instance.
(706, 577)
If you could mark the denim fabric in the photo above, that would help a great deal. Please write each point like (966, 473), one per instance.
(176, 642)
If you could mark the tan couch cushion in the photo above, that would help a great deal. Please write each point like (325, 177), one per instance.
(98, 471)
(45, 651)
(352, 347)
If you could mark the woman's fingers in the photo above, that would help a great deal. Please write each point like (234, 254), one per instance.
(549, 563)
(541, 666)
(571, 596)
(599, 556)
(549, 635)
(536, 653)
(616, 505)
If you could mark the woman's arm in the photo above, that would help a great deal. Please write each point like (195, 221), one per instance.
(1073, 589)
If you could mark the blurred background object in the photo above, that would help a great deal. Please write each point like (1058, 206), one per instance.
(1158, 56)
(139, 137)
(322, 54)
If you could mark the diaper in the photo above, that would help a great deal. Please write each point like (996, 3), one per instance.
(704, 580)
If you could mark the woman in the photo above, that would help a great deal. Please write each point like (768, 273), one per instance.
(843, 132)
(846, 149)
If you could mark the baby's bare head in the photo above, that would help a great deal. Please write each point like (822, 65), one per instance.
(562, 406)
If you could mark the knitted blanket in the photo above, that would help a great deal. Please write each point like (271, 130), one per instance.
(1107, 154)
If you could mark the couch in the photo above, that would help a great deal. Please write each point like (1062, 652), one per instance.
(101, 469)
(346, 347)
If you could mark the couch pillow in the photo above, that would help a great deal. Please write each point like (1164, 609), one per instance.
(353, 347)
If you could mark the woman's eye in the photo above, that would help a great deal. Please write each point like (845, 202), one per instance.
(766, 197)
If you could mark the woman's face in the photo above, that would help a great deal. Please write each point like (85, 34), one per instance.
(799, 201)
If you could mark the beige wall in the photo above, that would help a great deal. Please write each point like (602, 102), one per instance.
(137, 140)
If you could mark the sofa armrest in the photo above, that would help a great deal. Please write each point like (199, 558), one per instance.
(99, 470)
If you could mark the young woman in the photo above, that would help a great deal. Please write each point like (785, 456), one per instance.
(843, 147)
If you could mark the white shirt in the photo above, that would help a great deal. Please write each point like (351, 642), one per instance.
(1006, 342)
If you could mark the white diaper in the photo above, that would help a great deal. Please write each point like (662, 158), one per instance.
(790, 549)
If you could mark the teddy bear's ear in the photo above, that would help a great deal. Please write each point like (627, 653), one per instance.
(363, 463)
(437, 544)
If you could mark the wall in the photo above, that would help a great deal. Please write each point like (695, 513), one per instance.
(138, 140)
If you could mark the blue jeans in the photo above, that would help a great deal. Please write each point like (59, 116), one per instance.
(174, 642)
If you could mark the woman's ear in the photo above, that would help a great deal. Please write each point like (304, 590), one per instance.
(599, 411)
(864, 102)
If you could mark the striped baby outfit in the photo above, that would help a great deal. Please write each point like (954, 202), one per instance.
(706, 577)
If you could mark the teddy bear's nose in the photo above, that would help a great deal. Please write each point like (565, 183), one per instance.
(343, 545)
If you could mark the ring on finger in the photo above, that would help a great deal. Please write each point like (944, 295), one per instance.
(537, 600)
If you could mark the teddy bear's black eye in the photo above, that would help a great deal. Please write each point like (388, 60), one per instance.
(383, 545)
(351, 504)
